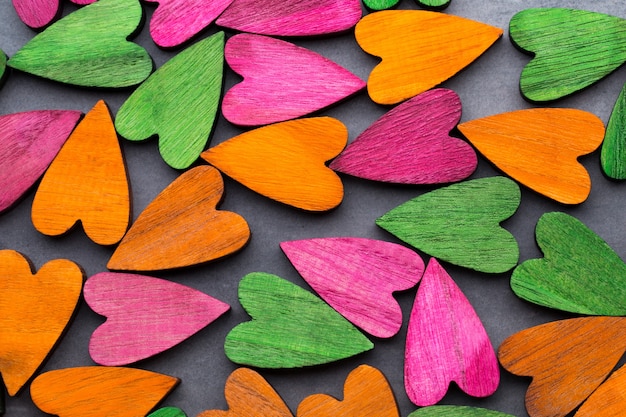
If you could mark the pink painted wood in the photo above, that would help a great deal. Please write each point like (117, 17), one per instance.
(37, 13)
(29, 141)
(358, 277)
(411, 144)
(83, 2)
(145, 316)
(446, 342)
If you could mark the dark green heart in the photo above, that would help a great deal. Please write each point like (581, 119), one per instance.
(168, 412)
(456, 411)
(613, 155)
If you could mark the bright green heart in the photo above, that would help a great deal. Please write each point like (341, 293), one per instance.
(434, 4)
(613, 155)
(168, 412)
(456, 411)
(290, 327)
(380, 4)
(89, 48)
(573, 49)
(579, 272)
(460, 223)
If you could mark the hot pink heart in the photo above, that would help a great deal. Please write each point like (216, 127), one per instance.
(40, 13)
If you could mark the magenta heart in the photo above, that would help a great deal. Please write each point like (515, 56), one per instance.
(37, 13)
(357, 277)
(411, 144)
(145, 316)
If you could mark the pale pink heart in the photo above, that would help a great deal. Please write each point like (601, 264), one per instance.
(411, 144)
(446, 342)
(357, 277)
(282, 81)
(29, 141)
(37, 13)
(145, 316)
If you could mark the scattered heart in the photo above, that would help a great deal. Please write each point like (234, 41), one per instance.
(613, 155)
(608, 400)
(37, 14)
(456, 411)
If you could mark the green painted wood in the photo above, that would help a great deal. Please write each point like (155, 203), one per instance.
(3, 65)
(89, 48)
(613, 154)
(178, 103)
(290, 327)
(168, 412)
(460, 223)
(579, 272)
(456, 411)
(434, 4)
(573, 49)
(380, 4)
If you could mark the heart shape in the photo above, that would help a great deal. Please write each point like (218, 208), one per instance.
(613, 154)
(572, 49)
(411, 144)
(29, 141)
(456, 411)
(380, 4)
(178, 102)
(3, 66)
(579, 272)
(181, 226)
(302, 83)
(34, 311)
(434, 4)
(566, 359)
(37, 13)
(168, 412)
(539, 148)
(89, 48)
(357, 277)
(460, 223)
(290, 327)
(446, 342)
(145, 316)
(608, 400)
(285, 161)
(426, 49)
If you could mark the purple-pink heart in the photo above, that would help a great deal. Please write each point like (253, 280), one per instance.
(39, 13)
(411, 144)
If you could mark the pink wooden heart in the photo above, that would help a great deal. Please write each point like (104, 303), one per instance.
(282, 81)
(411, 144)
(37, 13)
(357, 277)
(446, 342)
(145, 316)
(83, 2)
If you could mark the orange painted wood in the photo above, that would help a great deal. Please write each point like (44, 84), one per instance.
(609, 400)
(86, 181)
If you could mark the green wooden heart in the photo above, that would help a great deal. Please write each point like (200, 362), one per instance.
(613, 155)
(456, 411)
(168, 412)
(290, 327)
(380, 4)
(434, 4)
(3, 65)
(579, 272)
(460, 223)
(89, 48)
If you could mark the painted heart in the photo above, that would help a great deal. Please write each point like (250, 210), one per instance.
(460, 223)
(282, 81)
(608, 400)
(380, 4)
(446, 342)
(93, 391)
(579, 272)
(290, 327)
(456, 411)
(434, 4)
(145, 316)
(89, 48)
(572, 49)
(539, 148)
(168, 412)
(182, 227)
(37, 13)
(91, 159)
(613, 154)
(178, 102)
(29, 141)
(3, 66)
(427, 48)
(285, 161)
(566, 359)
(358, 277)
(34, 311)
(295, 18)
(411, 144)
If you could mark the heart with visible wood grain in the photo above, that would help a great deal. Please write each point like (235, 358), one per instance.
(38, 14)
(168, 412)
(456, 411)
(608, 400)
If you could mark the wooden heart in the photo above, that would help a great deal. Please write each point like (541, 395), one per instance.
(380, 4)
(37, 13)
(608, 400)
(456, 411)
(613, 154)
(168, 412)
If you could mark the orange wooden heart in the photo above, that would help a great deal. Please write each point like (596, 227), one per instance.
(609, 399)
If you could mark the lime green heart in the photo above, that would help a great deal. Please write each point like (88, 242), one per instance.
(168, 412)
(579, 272)
(290, 327)
(456, 411)
(613, 155)
(434, 4)
(380, 4)
(89, 48)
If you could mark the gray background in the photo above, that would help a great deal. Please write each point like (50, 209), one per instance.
(488, 86)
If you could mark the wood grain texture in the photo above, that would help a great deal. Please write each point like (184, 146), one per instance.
(144, 316)
(89, 48)
(37, 14)
(613, 154)
(366, 393)
(182, 227)
(380, 4)
(3, 66)
(411, 144)
(94, 391)
(566, 359)
(281, 81)
(168, 412)
(608, 400)
(460, 223)
(434, 4)
(91, 159)
(427, 48)
(178, 103)
(579, 272)
(285, 161)
(456, 411)
(290, 327)
(446, 342)
(572, 49)
(540, 148)
(29, 141)
(35, 308)
(357, 277)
